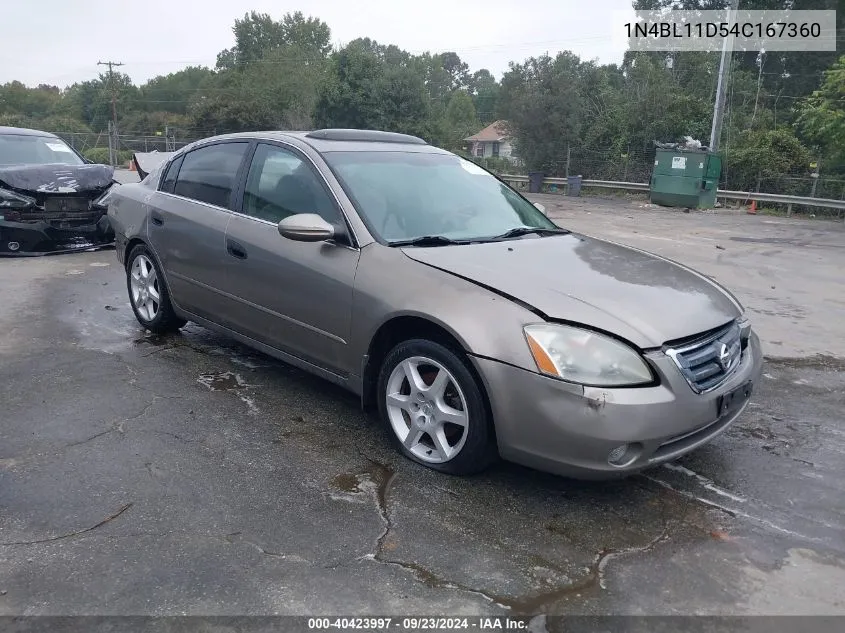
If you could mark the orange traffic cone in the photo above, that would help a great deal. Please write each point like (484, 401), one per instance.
(752, 210)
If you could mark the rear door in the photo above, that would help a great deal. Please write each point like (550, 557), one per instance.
(295, 296)
(188, 225)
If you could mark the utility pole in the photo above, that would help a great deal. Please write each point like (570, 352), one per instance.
(721, 86)
(113, 146)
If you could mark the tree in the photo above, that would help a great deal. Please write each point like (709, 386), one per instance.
(35, 103)
(90, 101)
(822, 115)
(458, 70)
(485, 95)
(261, 96)
(373, 87)
(542, 103)
(460, 119)
(310, 35)
(257, 34)
(762, 154)
(173, 92)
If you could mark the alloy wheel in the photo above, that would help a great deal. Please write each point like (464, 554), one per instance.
(427, 409)
(144, 287)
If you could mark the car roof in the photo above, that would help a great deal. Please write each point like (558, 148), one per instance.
(343, 140)
(22, 131)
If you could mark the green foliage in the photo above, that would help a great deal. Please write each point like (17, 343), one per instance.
(100, 155)
(461, 120)
(370, 86)
(17, 120)
(822, 116)
(761, 154)
(151, 123)
(485, 95)
(173, 92)
(58, 124)
(257, 35)
(542, 102)
(282, 74)
(457, 70)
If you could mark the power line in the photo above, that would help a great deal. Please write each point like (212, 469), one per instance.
(111, 64)
(113, 136)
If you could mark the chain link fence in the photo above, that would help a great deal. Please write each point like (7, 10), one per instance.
(95, 146)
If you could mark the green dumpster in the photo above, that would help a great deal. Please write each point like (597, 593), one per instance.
(685, 178)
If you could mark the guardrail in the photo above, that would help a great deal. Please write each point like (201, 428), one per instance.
(746, 196)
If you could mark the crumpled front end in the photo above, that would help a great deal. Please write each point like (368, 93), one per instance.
(59, 209)
(45, 237)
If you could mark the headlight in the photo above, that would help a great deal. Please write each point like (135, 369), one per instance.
(585, 357)
(12, 200)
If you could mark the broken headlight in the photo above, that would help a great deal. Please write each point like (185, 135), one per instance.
(12, 200)
(103, 200)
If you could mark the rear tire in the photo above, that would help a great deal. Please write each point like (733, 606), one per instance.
(434, 410)
(148, 293)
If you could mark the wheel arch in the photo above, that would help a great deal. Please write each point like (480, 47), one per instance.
(136, 241)
(405, 327)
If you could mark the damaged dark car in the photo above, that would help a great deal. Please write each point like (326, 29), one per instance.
(51, 199)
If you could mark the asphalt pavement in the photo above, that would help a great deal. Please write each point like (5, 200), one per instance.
(189, 475)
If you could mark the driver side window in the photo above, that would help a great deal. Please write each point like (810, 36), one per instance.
(281, 184)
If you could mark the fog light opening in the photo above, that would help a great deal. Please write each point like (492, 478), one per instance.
(13, 246)
(624, 455)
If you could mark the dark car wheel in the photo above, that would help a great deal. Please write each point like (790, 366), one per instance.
(434, 410)
(148, 293)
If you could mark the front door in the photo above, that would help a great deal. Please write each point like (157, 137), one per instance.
(295, 296)
(188, 225)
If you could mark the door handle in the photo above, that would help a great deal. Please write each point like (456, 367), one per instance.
(156, 219)
(235, 249)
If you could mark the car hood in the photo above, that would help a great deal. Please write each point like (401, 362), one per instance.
(49, 179)
(643, 298)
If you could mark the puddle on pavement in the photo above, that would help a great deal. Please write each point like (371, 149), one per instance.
(232, 382)
(154, 339)
(222, 381)
(375, 478)
(347, 482)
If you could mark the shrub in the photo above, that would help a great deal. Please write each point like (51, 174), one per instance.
(100, 155)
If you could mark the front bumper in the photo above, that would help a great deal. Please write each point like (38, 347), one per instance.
(48, 238)
(570, 430)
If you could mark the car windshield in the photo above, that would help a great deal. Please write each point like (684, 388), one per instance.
(20, 149)
(404, 196)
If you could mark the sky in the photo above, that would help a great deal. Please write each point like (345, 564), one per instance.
(59, 42)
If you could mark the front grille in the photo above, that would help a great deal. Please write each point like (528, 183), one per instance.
(707, 362)
(70, 208)
(67, 205)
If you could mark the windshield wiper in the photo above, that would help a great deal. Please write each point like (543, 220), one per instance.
(528, 230)
(427, 240)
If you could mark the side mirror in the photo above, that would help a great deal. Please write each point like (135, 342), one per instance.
(306, 227)
(540, 207)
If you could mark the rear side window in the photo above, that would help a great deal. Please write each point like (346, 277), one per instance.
(169, 183)
(208, 174)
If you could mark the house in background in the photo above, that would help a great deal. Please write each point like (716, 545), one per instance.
(491, 142)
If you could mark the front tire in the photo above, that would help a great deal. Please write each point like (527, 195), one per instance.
(434, 410)
(148, 293)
